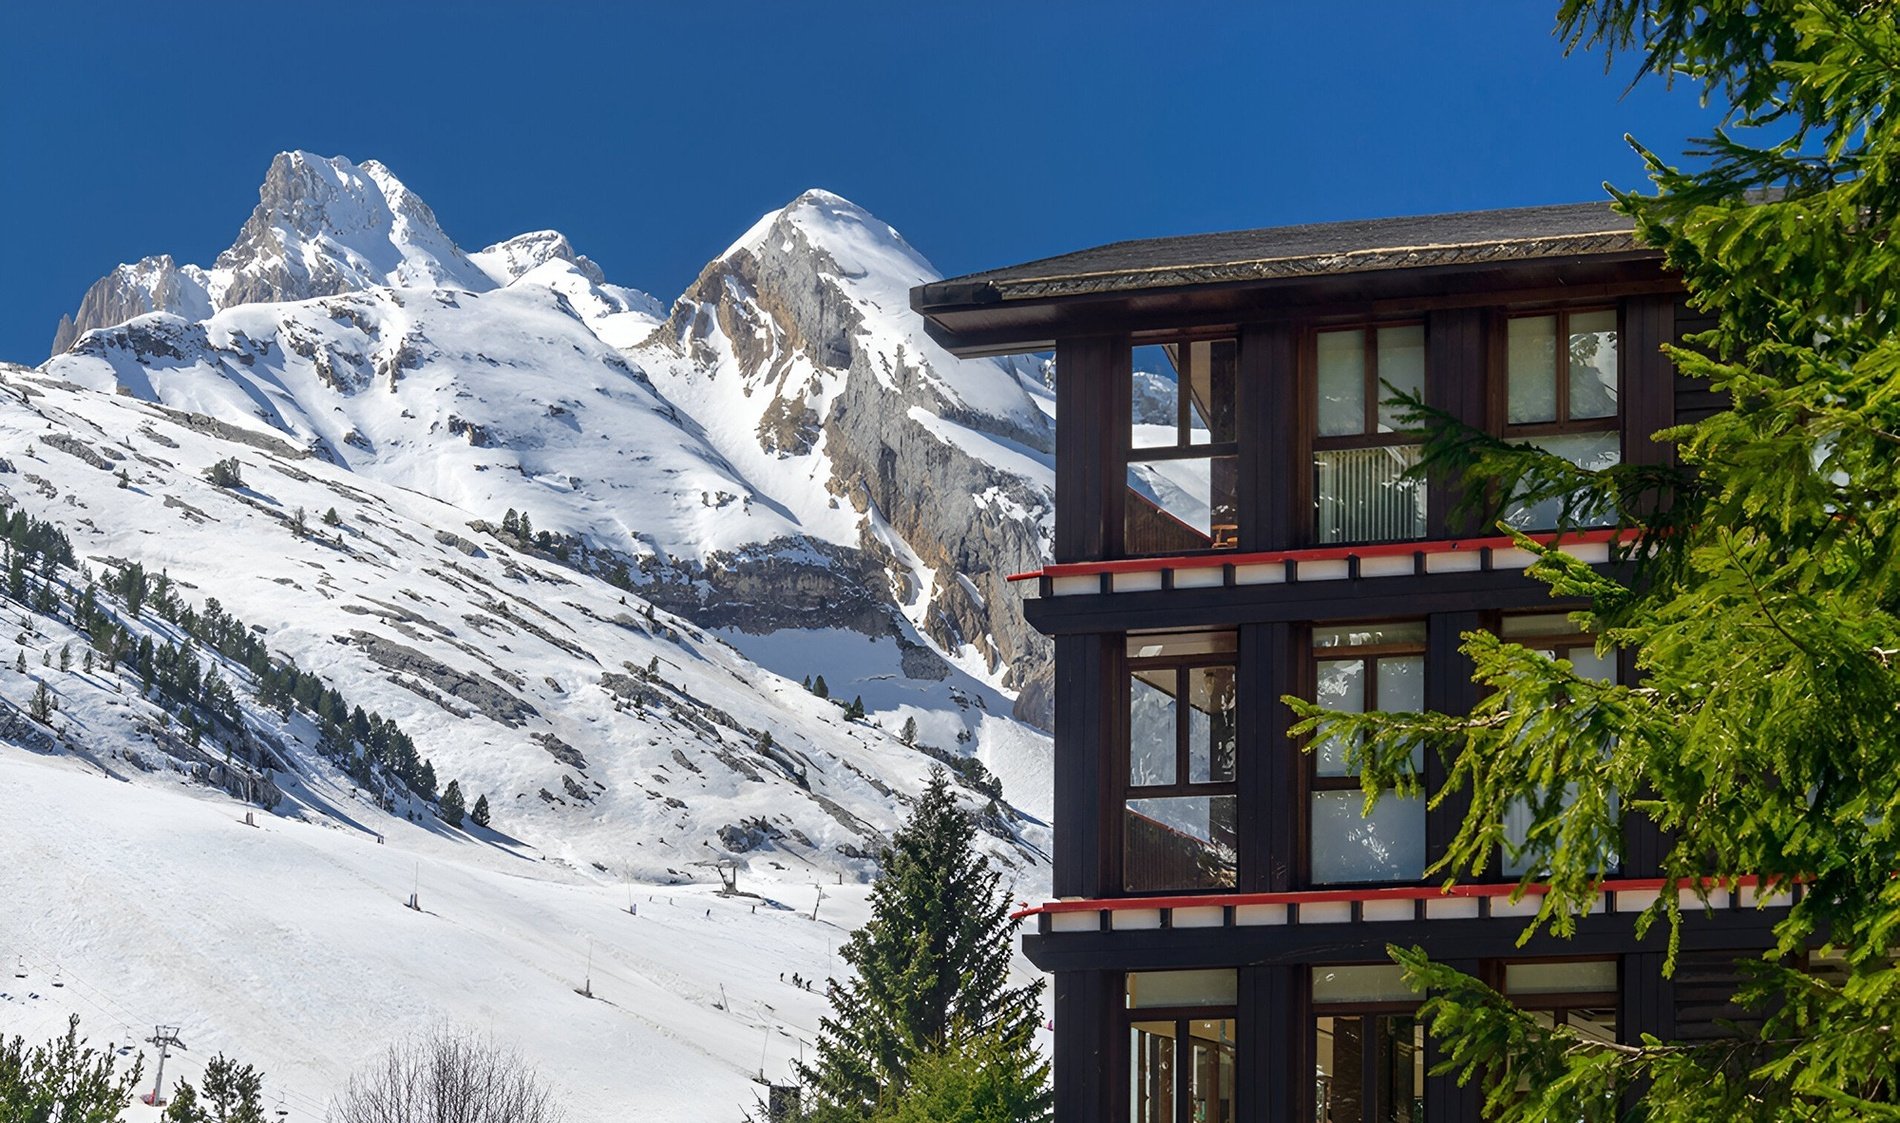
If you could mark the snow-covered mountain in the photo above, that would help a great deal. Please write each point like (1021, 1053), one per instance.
(584, 548)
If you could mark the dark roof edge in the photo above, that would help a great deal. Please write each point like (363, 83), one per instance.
(958, 293)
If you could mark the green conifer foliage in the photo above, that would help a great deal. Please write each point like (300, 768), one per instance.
(481, 815)
(63, 1080)
(453, 808)
(1760, 599)
(932, 972)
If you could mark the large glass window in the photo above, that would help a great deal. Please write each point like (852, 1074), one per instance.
(1562, 376)
(1368, 1046)
(1183, 467)
(1554, 636)
(1579, 994)
(1181, 1032)
(1358, 668)
(1179, 812)
(1359, 452)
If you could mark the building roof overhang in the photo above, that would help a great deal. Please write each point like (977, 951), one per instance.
(1207, 280)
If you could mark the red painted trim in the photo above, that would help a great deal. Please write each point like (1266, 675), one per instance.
(1316, 553)
(1388, 893)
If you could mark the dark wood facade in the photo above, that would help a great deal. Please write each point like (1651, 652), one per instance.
(1270, 921)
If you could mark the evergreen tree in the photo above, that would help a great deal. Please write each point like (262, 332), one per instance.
(63, 1081)
(299, 523)
(65, 656)
(855, 711)
(42, 707)
(524, 528)
(331, 518)
(19, 662)
(453, 809)
(1757, 594)
(932, 970)
(986, 1079)
(230, 1093)
(511, 522)
(819, 688)
(481, 813)
(909, 735)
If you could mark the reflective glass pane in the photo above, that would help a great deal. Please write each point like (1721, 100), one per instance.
(1594, 451)
(1401, 680)
(1537, 624)
(1211, 1075)
(1593, 364)
(1211, 725)
(1519, 817)
(1342, 382)
(1179, 842)
(1152, 989)
(1341, 685)
(1371, 982)
(1588, 664)
(1531, 366)
(1388, 846)
(1152, 645)
(1179, 506)
(1369, 1069)
(1588, 977)
(1367, 635)
(1151, 717)
(1401, 369)
(1363, 494)
(1151, 1072)
(1156, 400)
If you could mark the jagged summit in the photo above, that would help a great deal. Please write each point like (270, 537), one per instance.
(327, 226)
(324, 226)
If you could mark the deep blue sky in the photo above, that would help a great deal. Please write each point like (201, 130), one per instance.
(653, 134)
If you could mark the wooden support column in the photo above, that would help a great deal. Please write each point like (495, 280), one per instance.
(1275, 467)
(1648, 391)
(1270, 811)
(1274, 1065)
(1092, 399)
(1084, 1060)
(1448, 690)
(1087, 669)
(1444, 1099)
(1457, 350)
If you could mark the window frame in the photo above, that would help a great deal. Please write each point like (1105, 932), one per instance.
(1369, 435)
(1182, 788)
(1365, 1010)
(1180, 1017)
(1183, 448)
(1563, 424)
(1312, 782)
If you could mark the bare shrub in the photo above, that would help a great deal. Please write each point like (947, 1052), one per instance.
(446, 1076)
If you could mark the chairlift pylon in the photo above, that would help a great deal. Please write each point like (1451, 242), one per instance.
(19, 967)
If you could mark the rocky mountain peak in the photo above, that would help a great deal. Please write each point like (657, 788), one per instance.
(325, 226)
(518, 256)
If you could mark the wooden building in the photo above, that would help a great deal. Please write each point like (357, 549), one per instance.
(1232, 526)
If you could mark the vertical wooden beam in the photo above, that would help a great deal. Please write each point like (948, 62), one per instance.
(1274, 1065)
(1270, 789)
(1086, 725)
(1456, 361)
(1275, 464)
(1444, 1099)
(1448, 690)
(1092, 404)
(1084, 1058)
(1648, 390)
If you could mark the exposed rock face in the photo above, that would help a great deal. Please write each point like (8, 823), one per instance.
(321, 227)
(518, 256)
(327, 226)
(780, 304)
(152, 284)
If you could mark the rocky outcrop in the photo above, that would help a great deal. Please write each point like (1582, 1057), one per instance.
(152, 284)
(518, 256)
(780, 304)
